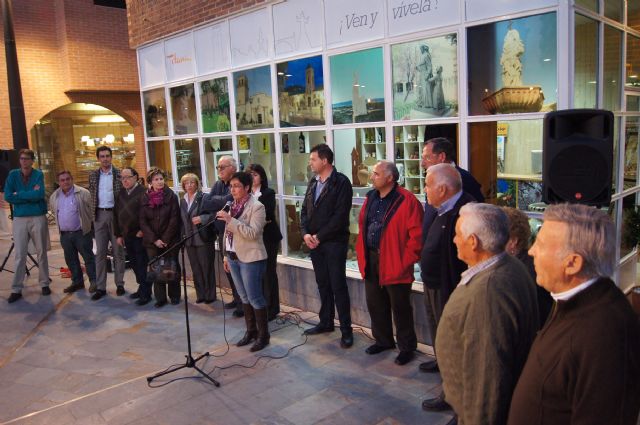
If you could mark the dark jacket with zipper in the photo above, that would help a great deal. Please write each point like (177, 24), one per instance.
(271, 232)
(161, 222)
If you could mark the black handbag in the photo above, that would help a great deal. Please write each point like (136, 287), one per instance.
(165, 270)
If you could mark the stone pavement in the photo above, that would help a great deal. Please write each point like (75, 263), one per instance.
(65, 359)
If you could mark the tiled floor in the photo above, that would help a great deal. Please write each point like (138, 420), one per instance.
(65, 359)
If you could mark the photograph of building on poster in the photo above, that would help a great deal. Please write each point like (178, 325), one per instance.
(425, 78)
(214, 101)
(301, 92)
(253, 98)
(357, 87)
(155, 113)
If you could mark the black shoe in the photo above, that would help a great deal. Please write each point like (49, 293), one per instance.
(230, 305)
(238, 313)
(120, 291)
(248, 338)
(209, 301)
(346, 340)
(437, 404)
(453, 420)
(159, 304)
(98, 294)
(15, 296)
(199, 300)
(430, 366)
(143, 301)
(272, 317)
(377, 348)
(135, 295)
(73, 288)
(175, 301)
(319, 329)
(46, 290)
(404, 357)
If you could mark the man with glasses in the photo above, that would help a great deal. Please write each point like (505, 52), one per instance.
(24, 190)
(213, 202)
(71, 205)
(104, 186)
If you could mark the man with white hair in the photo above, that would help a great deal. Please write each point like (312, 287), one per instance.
(440, 267)
(583, 367)
(489, 323)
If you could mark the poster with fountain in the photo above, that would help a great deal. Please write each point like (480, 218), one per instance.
(425, 78)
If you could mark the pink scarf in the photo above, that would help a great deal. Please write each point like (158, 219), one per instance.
(155, 198)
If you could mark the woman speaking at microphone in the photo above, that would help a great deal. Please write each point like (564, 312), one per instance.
(245, 257)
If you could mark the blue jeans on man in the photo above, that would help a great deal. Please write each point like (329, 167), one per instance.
(72, 244)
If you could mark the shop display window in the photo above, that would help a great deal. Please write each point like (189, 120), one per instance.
(425, 78)
(259, 149)
(301, 92)
(155, 113)
(188, 157)
(214, 148)
(296, 147)
(357, 87)
(630, 223)
(613, 9)
(253, 98)
(631, 152)
(512, 66)
(585, 82)
(632, 70)
(633, 14)
(612, 68)
(159, 153)
(214, 104)
(589, 4)
(356, 151)
(183, 109)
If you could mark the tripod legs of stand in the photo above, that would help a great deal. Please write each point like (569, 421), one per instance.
(27, 268)
(190, 362)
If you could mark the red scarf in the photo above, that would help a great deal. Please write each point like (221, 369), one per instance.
(155, 198)
(236, 211)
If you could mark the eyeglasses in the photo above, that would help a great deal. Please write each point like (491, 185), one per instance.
(126, 177)
(222, 167)
(26, 158)
(236, 186)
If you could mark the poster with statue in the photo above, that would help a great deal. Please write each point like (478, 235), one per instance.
(425, 78)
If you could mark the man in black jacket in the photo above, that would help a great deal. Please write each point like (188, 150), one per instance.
(325, 225)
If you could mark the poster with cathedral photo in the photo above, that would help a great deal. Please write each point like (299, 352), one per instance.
(357, 87)
(214, 101)
(253, 98)
(425, 78)
(301, 92)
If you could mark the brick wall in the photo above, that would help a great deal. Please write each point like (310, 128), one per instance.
(154, 19)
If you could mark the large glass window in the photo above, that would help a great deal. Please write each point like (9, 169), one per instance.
(357, 87)
(631, 152)
(214, 103)
(425, 78)
(633, 62)
(612, 71)
(160, 156)
(512, 66)
(357, 150)
(253, 98)
(633, 14)
(155, 113)
(586, 63)
(259, 149)
(183, 109)
(214, 148)
(589, 4)
(613, 9)
(188, 157)
(630, 224)
(301, 92)
(295, 159)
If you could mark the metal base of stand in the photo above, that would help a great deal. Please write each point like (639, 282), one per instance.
(190, 363)
(27, 267)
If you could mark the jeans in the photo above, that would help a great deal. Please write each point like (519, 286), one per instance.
(138, 259)
(74, 243)
(248, 280)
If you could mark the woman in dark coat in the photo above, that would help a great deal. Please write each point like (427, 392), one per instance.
(199, 250)
(160, 224)
(271, 237)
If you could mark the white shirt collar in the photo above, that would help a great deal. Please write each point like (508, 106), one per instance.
(566, 295)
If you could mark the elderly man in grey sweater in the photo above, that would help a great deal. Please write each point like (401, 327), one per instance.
(489, 323)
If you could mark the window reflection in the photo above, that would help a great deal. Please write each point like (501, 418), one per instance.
(356, 151)
(160, 156)
(155, 113)
(259, 149)
(214, 148)
(295, 148)
(188, 157)
(586, 62)
(612, 64)
(183, 109)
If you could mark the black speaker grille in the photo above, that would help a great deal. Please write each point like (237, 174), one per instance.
(579, 173)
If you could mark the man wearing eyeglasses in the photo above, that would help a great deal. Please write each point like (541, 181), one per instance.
(213, 202)
(24, 190)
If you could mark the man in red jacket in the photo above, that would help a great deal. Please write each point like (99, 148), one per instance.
(388, 246)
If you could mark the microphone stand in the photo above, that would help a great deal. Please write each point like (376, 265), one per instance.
(190, 361)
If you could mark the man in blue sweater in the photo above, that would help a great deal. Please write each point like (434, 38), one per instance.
(24, 190)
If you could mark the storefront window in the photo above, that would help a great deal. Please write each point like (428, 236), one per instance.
(586, 63)
(633, 14)
(357, 150)
(188, 157)
(253, 98)
(512, 66)
(631, 152)
(301, 92)
(613, 9)
(259, 149)
(357, 87)
(183, 109)
(633, 62)
(296, 147)
(589, 4)
(425, 78)
(612, 71)
(214, 148)
(155, 113)
(630, 225)
(214, 101)
(633, 103)
(160, 156)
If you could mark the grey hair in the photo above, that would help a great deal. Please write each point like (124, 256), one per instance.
(390, 168)
(591, 234)
(232, 161)
(489, 223)
(445, 174)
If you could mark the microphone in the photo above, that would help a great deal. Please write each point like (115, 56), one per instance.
(227, 206)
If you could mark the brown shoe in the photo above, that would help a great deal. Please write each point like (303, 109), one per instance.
(263, 330)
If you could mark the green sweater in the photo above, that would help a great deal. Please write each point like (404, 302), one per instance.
(26, 200)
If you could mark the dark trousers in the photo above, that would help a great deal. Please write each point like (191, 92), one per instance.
(160, 289)
(270, 286)
(138, 259)
(74, 243)
(386, 301)
(329, 261)
(434, 305)
(202, 259)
